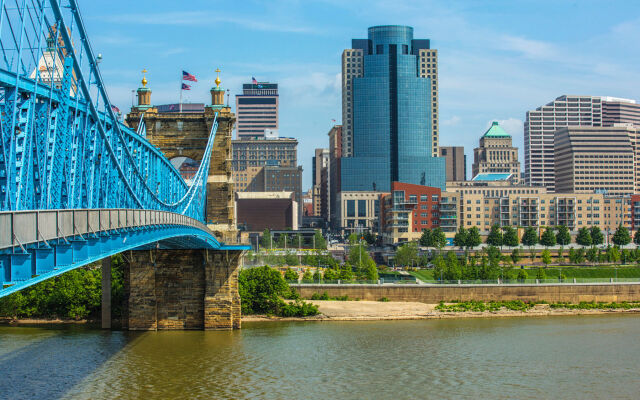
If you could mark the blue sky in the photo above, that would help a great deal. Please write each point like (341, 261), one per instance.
(497, 59)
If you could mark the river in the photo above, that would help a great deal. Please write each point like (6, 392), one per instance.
(506, 358)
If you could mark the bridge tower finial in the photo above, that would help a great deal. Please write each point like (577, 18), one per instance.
(217, 93)
(144, 93)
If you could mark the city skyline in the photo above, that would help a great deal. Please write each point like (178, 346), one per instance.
(488, 71)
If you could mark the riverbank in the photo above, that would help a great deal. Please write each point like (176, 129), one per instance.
(395, 310)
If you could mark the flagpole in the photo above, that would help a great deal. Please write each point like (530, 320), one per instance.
(180, 92)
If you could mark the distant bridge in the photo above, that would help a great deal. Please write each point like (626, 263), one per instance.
(76, 184)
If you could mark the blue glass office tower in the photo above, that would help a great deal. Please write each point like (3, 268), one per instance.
(392, 138)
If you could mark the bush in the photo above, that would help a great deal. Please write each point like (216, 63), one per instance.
(383, 299)
(298, 308)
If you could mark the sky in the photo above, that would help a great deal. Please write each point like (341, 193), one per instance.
(497, 59)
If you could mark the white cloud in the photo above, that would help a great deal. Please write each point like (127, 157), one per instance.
(455, 120)
(534, 49)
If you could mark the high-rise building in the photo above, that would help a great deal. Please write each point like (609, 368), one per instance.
(595, 159)
(540, 126)
(496, 154)
(247, 153)
(320, 166)
(455, 162)
(257, 110)
(389, 112)
(617, 111)
(279, 179)
(334, 185)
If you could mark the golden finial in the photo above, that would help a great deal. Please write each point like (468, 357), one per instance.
(144, 78)
(217, 81)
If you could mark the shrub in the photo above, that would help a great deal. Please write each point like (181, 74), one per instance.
(384, 299)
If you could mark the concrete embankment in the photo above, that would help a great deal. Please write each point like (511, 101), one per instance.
(433, 294)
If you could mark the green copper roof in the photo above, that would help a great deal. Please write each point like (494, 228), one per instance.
(495, 131)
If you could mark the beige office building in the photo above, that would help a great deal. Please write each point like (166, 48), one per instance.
(496, 155)
(595, 159)
(455, 162)
(359, 211)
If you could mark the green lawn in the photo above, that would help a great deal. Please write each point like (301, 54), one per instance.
(554, 272)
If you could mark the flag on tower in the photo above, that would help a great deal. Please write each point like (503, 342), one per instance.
(186, 87)
(254, 81)
(188, 77)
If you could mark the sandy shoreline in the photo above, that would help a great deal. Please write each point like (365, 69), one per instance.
(381, 311)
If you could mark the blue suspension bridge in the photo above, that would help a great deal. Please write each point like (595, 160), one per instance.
(76, 184)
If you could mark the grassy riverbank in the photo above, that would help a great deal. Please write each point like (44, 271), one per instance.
(608, 271)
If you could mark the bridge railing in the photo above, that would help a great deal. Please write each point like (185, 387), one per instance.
(21, 228)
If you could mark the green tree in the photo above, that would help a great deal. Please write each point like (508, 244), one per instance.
(317, 275)
(283, 241)
(439, 267)
(546, 257)
(592, 255)
(473, 237)
(510, 236)
(320, 242)
(461, 238)
(369, 272)
(307, 277)
(597, 237)
(426, 239)
(636, 238)
(266, 241)
(563, 237)
(522, 275)
(261, 289)
(439, 239)
(572, 256)
(407, 254)
(331, 274)
(290, 275)
(346, 273)
(621, 237)
(584, 237)
(297, 241)
(530, 238)
(453, 269)
(548, 238)
(613, 254)
(353, 238)
(540, 274)
(515, 255)
(495, 236)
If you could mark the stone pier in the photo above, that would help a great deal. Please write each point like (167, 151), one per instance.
(181, 289)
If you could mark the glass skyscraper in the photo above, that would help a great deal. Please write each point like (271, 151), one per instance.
(391, 106)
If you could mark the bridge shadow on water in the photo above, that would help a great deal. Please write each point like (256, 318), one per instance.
(53, 359)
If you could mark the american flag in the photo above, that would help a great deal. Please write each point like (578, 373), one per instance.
(186, 87)
(254, 81)
(115, 109)
(188, 77)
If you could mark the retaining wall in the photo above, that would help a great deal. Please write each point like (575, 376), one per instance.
(431, 294)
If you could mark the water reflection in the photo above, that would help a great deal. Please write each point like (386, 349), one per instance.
(562, 357)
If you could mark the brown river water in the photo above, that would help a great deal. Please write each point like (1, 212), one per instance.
(576, 357)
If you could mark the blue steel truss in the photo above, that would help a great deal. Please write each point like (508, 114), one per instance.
(62, 144)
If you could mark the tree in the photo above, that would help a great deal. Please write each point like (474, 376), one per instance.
(515, 255)
(540, 274)
(370, 238)
(266, 241)
(584, 237)
(510, 236)
(530, 238)
(353, 238)
(473, 237)
(407, 254)
(331, 274)
(438, 238)
(307, 277)
(546, 257)
(548, 238)
(297, 241)
(260, 289)
(358, 255)
(461, 238)
(621, 237)
(636, 238)
(495, 236)
(320, 242)
(597, 238)
(426, 239)
(563, 237)
(283, 241)
(522, 275)
(317, 276)
(592, 255)
(290, 275)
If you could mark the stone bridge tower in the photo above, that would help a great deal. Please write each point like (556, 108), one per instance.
(179, 132)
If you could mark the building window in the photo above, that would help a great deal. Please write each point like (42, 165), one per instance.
(379, 49)
(351, 208)
(423, 197)
(362, 208)
(413, 198)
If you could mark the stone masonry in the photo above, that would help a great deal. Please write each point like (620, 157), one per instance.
(182, 289)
